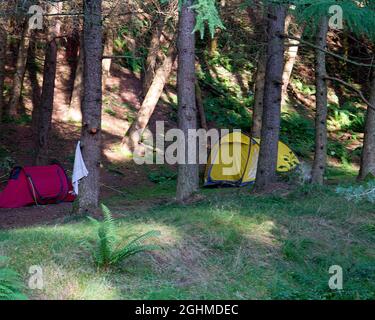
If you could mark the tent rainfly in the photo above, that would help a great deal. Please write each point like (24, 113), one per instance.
(234, 158)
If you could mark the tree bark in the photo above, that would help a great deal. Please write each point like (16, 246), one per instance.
(13, 107)
(320, 157)
(108, 51)
(152, 55)
(188, 173)
(3, 51)
(267, 163)
(257, 17)
(200, 106)
(92, 105)
(291, 57)
(256, 127)
(368, 151)
(133, 136)
(74, 111)
(35, 87)
(72, 53)
(44, 117)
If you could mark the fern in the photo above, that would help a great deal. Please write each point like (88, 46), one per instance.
(110, 249)
(10, 284)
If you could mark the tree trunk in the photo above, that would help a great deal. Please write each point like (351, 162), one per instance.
(153, 52)
(134, 133)
(320, 157)
(108, 51)
(214, 44)
(92, 105)
(35, 87)
(12, 110)
(200, 106)
(368, 151)
(256, 127)
(291, 57)
(188, 173)
(3, 51)
(72, 53)
(44, 117)
(257, 17)
(74, 111)
(267, 163)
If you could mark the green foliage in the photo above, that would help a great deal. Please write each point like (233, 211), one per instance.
(303, 87)
(132, 60)
(358, 17)
(228, 112)
(206, 13)
(338, 150)
(358, 192)
(162, 176)
(225, 104)
(110, 111)
(110, 248)
(10, 283)
(23, 119)
(347, 117)
(298, 133)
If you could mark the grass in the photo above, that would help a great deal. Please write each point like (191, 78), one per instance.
(232, 245)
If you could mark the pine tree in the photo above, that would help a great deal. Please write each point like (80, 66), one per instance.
(188, 174)
(267, 163)
(92, 105)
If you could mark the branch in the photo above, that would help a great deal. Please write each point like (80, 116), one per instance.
(360, 93)
(359, 64)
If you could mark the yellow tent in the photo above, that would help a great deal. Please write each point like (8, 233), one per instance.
(233, 160)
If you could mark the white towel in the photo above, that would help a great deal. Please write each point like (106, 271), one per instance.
(80, 170)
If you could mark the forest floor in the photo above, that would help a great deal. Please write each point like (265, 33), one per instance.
(231, 244)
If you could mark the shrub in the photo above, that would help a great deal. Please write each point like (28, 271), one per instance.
(338, 150)
(228, 112)
(347, 117)
(358, 192)
(110, 248)
(162, 176)
(10, 283)
(298, 133)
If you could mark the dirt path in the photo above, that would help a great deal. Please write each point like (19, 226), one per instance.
(29, 216)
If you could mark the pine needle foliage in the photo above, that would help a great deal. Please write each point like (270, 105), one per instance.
(110, 248)
(10, 283)
(207, 13)
(358, 16)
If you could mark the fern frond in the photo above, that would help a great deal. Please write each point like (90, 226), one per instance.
(140, 239)
(127, 252)
(110, 249)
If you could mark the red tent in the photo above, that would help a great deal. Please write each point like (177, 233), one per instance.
(36, 185)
